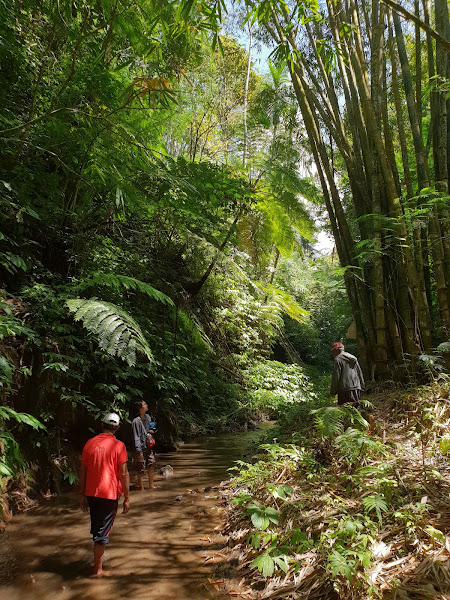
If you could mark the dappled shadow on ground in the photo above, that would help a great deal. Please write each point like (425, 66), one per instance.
(427, 578)
(157, 550)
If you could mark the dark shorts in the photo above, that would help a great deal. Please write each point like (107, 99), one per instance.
(103, 512)
(149, 461)
(349, 397)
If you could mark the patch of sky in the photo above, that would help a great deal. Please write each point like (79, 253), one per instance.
(234, 25)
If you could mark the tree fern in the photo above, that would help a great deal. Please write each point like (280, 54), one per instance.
(129, 283)
(286, 303)
(117, 332)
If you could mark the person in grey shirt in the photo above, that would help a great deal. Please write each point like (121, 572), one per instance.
(347, 380)
(143, 430)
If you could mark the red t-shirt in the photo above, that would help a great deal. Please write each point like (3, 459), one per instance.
(102, 457)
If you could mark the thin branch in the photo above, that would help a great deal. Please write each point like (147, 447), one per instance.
(412, 17)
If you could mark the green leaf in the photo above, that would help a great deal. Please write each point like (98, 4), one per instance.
(5, 368)
(56, 366)
(444, 445)
(5, 471)
(375, 503)
(254, 539)
(6, 412)
(338, 564)
(272, 514)
(435, 533)
(29, 420)
(259, 520)
(129, 283)
(281, 491)
(265, 564)
(281, 561)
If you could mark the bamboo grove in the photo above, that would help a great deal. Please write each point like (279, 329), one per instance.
(371, 81)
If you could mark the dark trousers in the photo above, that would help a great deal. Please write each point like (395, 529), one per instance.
(349, 397)
(103, 512)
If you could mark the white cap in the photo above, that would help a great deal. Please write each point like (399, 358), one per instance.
(111, 419)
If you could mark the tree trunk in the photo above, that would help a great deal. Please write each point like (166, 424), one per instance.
(247, 79)
(422, 175)
(378, 277)
(399, 114)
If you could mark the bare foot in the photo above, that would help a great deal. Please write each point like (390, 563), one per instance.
(100, 574)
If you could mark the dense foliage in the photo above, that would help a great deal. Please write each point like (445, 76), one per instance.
(332, 512)
(138, 245)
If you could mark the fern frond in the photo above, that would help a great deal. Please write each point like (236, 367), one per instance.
(93, 320)
(192, 325)
(116, 335)
(108, 325)
(286, 303)
(117, 332)
(329, 421)
(375, 503)
(377, 471)
(129, 283)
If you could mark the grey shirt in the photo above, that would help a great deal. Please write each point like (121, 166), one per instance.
(347, 374)
(140, 429)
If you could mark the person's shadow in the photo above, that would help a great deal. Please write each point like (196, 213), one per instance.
(67, 570)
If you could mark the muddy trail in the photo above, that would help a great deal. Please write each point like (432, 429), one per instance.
(157, 551)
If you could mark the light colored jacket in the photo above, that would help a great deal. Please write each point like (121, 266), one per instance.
(140, 430)
(347, 374)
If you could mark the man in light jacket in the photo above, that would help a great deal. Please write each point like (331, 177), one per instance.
(143, 430)
(347, 380)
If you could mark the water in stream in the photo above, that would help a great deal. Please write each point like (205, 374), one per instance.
(156, 552)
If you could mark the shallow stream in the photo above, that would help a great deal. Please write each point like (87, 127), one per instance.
(156, 552)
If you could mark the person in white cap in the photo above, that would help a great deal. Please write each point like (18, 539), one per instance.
(103, 478)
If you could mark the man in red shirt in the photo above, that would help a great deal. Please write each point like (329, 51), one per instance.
(103, 477)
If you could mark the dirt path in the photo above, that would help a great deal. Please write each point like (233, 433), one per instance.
(157, 551)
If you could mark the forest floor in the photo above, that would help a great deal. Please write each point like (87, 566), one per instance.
(360, 517)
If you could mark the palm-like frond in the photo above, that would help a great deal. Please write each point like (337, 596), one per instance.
(278, 72)
(375, 503)
(286, 303)
(117, 332)
(129, 283)
(329, 421)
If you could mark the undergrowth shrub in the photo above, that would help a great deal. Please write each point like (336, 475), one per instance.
(274, 386)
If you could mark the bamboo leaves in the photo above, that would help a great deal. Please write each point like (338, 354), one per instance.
(344, 71)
